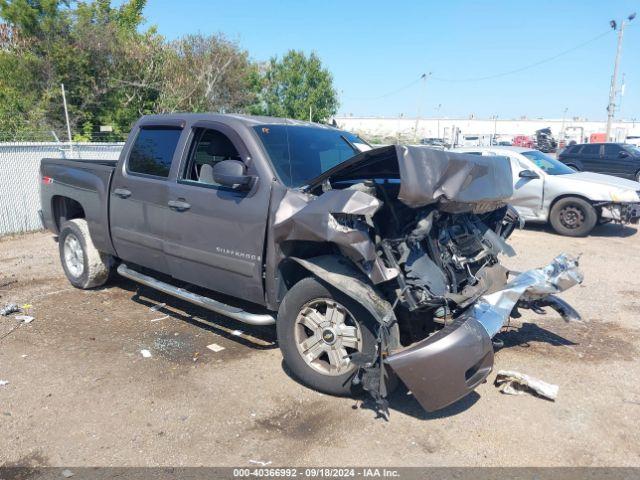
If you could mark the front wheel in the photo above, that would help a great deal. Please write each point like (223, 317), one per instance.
(573, 217)
(83, 264)
(318, 329)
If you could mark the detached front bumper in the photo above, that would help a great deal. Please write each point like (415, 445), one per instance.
(621, 212)
(449, 364)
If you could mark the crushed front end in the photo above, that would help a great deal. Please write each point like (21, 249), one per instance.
(424, 229)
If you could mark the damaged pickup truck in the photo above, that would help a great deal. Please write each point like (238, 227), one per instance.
(372, 263)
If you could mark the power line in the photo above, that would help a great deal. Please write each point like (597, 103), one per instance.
(488, 77)
(526, 67)
(389, 94)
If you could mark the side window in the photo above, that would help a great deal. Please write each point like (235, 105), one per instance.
(590, 150)
(153, 151)
(611, 150)
(208, 148)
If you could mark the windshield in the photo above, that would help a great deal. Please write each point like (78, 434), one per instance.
(632, 149)
(300, 153)
(547, 164)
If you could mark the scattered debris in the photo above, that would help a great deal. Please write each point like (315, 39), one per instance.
(260, 462)
(24, 318)
(66, 473)
(160, 318)
(237, 333)
(214, 347)
(4, 382)
(8, 309)
(515, 383)
(196, 356)
(25, 356)
(157, 306)
(145, 353)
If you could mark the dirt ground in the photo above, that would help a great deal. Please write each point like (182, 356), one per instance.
(81, 394)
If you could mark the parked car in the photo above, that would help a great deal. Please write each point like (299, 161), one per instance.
(371, 263)
(434, 143)
(619, 159)
(546, 190)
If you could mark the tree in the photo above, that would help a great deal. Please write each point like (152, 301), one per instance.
(206, 74)
(297, 87)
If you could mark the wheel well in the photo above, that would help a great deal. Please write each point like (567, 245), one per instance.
(65, 208)
(573, 165)
(571, 195)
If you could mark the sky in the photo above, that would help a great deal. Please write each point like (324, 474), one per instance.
(378, 50)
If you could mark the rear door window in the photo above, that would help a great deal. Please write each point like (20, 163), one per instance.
(153, 151)
(590, 150)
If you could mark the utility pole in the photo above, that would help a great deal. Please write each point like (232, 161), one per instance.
(66, 116)
(495, 130)
(438, 120)
(423, 77)
(564, 114)
(614, 79)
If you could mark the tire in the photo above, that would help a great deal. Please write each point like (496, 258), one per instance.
(638, 176)
(83, 264)
(573, 167)
(320, 374)
(573, 217)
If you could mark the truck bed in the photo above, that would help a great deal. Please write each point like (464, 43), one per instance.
(85, 182)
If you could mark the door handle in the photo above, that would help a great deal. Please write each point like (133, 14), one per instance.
(122, 192)
(178, 205)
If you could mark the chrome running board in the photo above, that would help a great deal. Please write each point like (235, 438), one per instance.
(205, 302)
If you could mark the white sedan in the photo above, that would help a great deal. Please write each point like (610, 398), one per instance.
(546, 190)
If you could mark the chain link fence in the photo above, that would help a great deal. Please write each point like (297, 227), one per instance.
(20, 181)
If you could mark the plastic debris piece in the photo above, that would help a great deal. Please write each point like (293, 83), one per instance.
(24, 318)
(8, 309)
(145, 353)
(214, 347)
(237, 333)
(515, 383)
(4, 382)
(157, 307)
(66, 473)
(160, 318)
(260, 462)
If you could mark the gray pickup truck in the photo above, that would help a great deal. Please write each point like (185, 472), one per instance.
(373, 264)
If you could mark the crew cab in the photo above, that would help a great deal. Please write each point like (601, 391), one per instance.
(546, 190)
(372, 263)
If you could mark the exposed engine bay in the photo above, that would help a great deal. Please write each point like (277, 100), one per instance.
(423, 231)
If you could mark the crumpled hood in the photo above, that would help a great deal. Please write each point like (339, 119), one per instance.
(613, 183)
(428, 175)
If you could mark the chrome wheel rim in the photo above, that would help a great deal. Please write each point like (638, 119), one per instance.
(73, 255)
(326, 334)
(572, 217)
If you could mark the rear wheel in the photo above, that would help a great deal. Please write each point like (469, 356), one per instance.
(318, 329)
(83, 264)
(573, 167)
(573, 217)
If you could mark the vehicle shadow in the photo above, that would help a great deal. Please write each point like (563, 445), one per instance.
(254, 336)
(400, 401)
(603, 230)
(528, 333)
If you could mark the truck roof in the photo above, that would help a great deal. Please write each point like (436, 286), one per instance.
(246, 120)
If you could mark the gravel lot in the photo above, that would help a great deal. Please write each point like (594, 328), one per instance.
(80, 393)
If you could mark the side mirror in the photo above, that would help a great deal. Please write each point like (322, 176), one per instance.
(528, 174)
(231, 173)
(623, 154)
